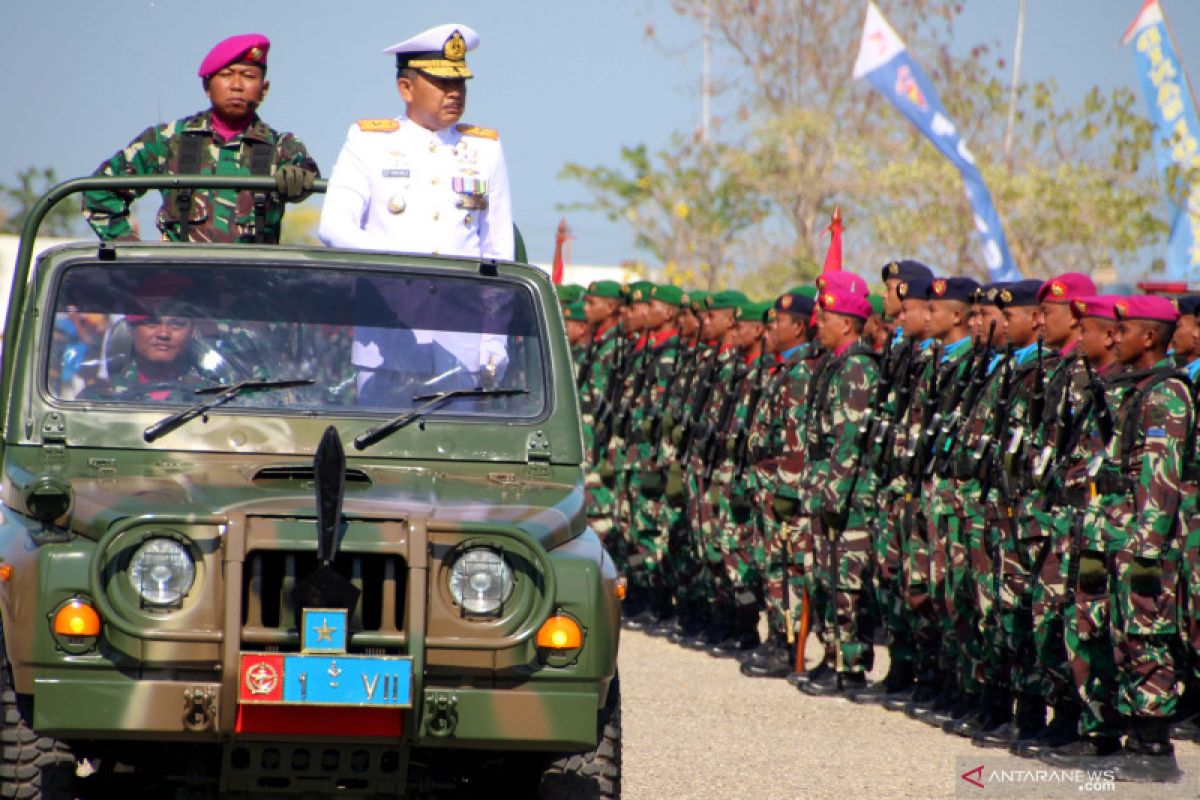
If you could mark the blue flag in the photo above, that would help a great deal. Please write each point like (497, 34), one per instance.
(1176, 133)
(885, 62)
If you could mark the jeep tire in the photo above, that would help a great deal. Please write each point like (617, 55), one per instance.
(595, 774)
(32, 767)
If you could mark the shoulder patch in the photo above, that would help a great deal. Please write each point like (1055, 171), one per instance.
(475, 130)
(384, 125)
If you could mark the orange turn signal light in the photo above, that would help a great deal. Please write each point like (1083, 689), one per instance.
(560, 633)
(77, 618)
(622, 587)
(6, 571)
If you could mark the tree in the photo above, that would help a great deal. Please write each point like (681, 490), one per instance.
(798, 136)
(63, 220)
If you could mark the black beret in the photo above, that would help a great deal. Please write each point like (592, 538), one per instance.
(960, 289)
(1189, 304)
(915, 288)
(1021, 293)
(905, 270)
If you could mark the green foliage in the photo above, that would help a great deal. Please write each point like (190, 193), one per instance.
(63, 220)
(1076, 191)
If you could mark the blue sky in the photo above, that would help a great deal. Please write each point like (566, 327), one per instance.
(565, 81)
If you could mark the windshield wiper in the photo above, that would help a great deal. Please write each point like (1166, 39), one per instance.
(222, 394)
(431, 401)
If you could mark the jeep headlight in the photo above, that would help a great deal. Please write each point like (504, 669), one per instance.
(162, 572)
(481, 580)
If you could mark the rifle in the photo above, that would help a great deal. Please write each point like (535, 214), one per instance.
(715, 447)
(943, 446)
(585, 369)
(682, 355)
(988, 452)
(742, 446)
(1104, 416)
(930, 419)
(700, 400)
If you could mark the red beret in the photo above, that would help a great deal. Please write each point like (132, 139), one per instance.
(842, 282)
(1066, 287)
(1101, 306)
(1147, 306)
(844, 301)
(249, 48)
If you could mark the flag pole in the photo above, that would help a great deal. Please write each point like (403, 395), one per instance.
(1018, 51)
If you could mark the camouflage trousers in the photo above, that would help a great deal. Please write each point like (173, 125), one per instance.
(710, 582)
(1145, 632)
(1018, 563)
(954, 592)
(923, 621)
(842, 574)
(1059, 532)
(887, 553)
(1190, 591)
(651, 538)
(601, 506)
(1087, 631)
(782, 569)
(984, 529)
(734, 530)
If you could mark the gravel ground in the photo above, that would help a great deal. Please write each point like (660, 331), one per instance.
(694, 727)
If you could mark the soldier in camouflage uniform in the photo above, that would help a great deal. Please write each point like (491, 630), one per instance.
(732, 491)
(228, 139)
(901, 278)
(775, 446)
(578, 334)
(601, 303)
(645, 449)
(714, 381)
(840, 489)
(1139, 483)
(1186, 344)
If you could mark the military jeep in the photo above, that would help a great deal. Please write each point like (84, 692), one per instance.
(295, 521)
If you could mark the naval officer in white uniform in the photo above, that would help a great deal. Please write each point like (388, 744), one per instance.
(423, 182)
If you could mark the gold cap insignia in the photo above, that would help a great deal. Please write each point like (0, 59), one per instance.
(893, 269)
(1081, 307)
(939, 287)
(828, 300)
(455, 48)
(1058, 290)
(902, 289)
(821, 281)
(771, 314)
(1005, 296)
(637, 295)
(786, 301)
(255, 54)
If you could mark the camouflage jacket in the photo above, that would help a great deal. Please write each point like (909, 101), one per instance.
(844, 392)
(593, 393)
(792, 412)
(131, 384)
(1153, 422)
(645, 441)
(216, 216)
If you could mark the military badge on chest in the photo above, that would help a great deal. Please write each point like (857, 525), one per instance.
(472, 193)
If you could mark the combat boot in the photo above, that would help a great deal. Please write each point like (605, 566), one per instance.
(1062, 731)
(980, 716)
(930, 685)
(1081, 753)
(718, 629)
(899, 677)
(635, 609)
(773, 659)
(943, 707)
(1148, 756)
(967, 705)
(798, 679)
(663, 611)
(743, 635)
(692, 619)
(1005, 728)
(1185, 724)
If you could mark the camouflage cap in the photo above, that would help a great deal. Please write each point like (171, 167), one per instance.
(752, 311)
(670, 294)
(569, 293)
(574, 312)
(609, 289)
(730, 298)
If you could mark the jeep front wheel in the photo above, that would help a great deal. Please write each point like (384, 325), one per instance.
(596, 774)
(32, 767)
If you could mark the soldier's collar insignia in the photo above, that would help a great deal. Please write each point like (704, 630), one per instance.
(939, 287)
(455, 48)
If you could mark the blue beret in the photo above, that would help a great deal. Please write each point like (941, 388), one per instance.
(915, 288)
(796, 303)
(905, 270)
(1021, 293)
(1189, 304)
(960, 289)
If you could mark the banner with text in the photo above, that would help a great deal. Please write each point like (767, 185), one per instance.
(1173, 114)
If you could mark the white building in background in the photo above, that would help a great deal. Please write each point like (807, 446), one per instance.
(583, 274)
(8, 262)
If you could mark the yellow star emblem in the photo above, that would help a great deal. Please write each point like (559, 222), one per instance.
(324, 632)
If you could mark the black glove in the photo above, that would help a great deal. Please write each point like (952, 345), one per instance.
(294, 183)
(785, 507)
(833, 521)
(653, 483)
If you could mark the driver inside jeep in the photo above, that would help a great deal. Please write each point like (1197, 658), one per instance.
(161, 366)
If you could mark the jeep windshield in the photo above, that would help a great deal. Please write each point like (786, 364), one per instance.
(369, 341)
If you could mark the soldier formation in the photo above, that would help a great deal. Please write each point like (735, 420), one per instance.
(1002, 479)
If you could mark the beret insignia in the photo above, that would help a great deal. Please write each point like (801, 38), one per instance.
(1122, 308)
(820, 281)
(786, 302)
(255, 54)
(771, 314)
(1081, 307)
(902, 289)
(893, 268)
(1175, 302)
(637, 295)
(684, 300)
(1005, 296)
(939, 287)
(1058, 290)
(991, 294)
(828, 300)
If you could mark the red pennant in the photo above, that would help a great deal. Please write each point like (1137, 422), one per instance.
(833, 257)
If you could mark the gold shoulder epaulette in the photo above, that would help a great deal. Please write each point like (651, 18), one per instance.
(475, 130)
(385, 125)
